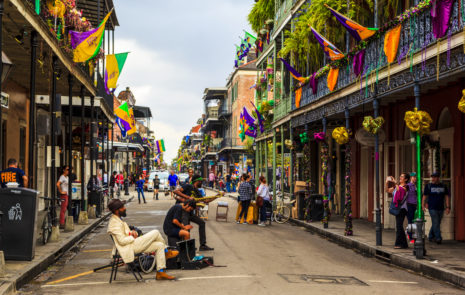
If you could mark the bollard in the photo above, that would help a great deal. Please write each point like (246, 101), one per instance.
(55, 235)
(83, 218)
(69, 224)
(91, 212)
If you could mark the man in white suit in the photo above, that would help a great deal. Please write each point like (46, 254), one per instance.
(129, 243)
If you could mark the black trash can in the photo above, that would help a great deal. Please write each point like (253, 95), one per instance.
(300, 195)
(18, 224)
(316, 207)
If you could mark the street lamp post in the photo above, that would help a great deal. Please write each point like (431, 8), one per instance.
(419, 246)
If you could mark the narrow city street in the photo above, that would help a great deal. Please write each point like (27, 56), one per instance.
(277, 259)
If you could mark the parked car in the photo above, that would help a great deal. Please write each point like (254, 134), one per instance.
(163, 176)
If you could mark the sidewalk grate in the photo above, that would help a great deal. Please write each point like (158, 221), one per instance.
(320, 279)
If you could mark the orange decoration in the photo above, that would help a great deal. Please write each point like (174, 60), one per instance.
(332, 78)
(391, 43)
(298, 96)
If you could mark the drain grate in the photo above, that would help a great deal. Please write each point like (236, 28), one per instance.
(319, 279)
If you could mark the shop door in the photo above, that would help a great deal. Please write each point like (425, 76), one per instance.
(342, 179)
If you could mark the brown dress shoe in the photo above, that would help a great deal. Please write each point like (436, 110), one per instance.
(171, 254)
(161, 275)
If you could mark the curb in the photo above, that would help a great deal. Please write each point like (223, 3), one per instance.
(418, 266)
(11, 285)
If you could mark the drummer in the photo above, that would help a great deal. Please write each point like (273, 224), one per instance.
(189, 192)
(13, 174)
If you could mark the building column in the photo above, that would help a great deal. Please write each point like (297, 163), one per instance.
(282, 159)
(274, 167)
(53, 98)
(291, 163)
(266, 160)
(70, 141)
(83, 139)
(32, 112)
(1, 70)
(91, 138)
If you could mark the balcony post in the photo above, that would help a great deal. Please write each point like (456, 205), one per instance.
(70, 141)
(282, 158)
(274, 167)
(53, 136)
(266, 160)
(32, 111)
(291, 163)
(1, 82)
(83, 139)
(379, 233)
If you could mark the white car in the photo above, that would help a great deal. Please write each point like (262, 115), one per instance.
(163, 176)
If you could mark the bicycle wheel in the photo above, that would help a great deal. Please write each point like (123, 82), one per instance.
(147, 263)
(282, 214)
(46, 229)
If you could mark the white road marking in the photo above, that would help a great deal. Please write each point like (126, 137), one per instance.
(130, 281)
(392, 282)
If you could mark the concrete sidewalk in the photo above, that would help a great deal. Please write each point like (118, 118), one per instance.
(18, 273)
(445, 262)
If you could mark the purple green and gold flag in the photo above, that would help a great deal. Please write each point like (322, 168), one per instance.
(329, 48)
(259, 118)
(115, 63)
(357, 31)
(160, 144)
(86, 45)
(249, 124)
(132, 122)
(122, 113)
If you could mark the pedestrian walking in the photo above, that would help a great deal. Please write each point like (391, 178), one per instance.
(156, 186)
(228, 182)
(263, 197)
(140, 188)
(211, 179)
(13, 174)
(400, 198)
(173, 181)
(120, 180)
(412, 200)
(245, 196)
(62, 185)
(435, 194)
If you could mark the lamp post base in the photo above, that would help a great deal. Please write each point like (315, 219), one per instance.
(419, 246)
(379, 229)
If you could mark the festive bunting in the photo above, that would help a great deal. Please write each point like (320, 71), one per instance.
(332, 78)
(160, 144)
(357, 31)
(115, 63)
(132, 122)
(123, 117)
(440, 17)
(418, 121)
(260, 118)
(122, 127)
(296, 75)
(298, 96)
(86, 45)
(329, 48)
(249, 124)
(341, 135)
(319, 136)
(391, 42)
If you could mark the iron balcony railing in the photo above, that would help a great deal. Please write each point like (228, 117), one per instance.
(416, 34)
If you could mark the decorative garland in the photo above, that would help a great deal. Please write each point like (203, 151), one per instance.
(324, 173)
(341, 135)
(307, 173)
(418, 121)
(319, 136)
(461, 105)
(303, 137)
(348, 202)
(372, 125)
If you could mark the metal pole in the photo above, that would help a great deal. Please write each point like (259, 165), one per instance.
(265, 143)
(32, 110)
(70, 142)
(348, 202)
(83, 204)
(91, 139)
(107, 155)
(126, 187)
(375, 12)
(1, 82)
(325, 181)
(53, 137)
(102, 139)
(379, 233)
(291, 163)
(274, 167)
(282, 159)
(419, 246)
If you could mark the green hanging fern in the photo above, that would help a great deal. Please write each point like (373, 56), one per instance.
(261, 11)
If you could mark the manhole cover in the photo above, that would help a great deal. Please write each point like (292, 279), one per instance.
(319, 279)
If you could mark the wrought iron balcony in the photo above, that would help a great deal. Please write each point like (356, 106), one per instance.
(416, 34)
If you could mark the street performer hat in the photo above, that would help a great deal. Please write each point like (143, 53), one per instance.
(196, 178)
(115, 204)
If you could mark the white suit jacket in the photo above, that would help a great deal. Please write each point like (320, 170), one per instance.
(119, 230)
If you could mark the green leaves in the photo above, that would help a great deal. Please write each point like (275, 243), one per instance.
(261, 11)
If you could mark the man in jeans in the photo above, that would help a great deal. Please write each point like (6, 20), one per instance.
(434, 194)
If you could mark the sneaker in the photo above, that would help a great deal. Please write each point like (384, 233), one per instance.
(412, 241)
(238, 222)
(261, 224)
(439, 242)
(161, 275)
(245, 222)
(204, 247)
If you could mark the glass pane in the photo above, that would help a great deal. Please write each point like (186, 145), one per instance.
(445, 163)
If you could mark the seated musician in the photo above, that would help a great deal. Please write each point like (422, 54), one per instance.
(189, 192)
(128, 242)
(173, 226)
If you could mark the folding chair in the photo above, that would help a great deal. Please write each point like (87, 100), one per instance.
(117, 262)
(222, 215)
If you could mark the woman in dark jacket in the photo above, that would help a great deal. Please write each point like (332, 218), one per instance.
(245, 196)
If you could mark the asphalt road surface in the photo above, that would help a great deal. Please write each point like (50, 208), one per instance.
(277, 259)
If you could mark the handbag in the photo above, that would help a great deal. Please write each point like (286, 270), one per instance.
(259, 201)
(393, 210)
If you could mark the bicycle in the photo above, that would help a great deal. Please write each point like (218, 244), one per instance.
(282, 213)
(49, 220)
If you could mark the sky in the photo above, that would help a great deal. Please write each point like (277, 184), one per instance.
(177, 49)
